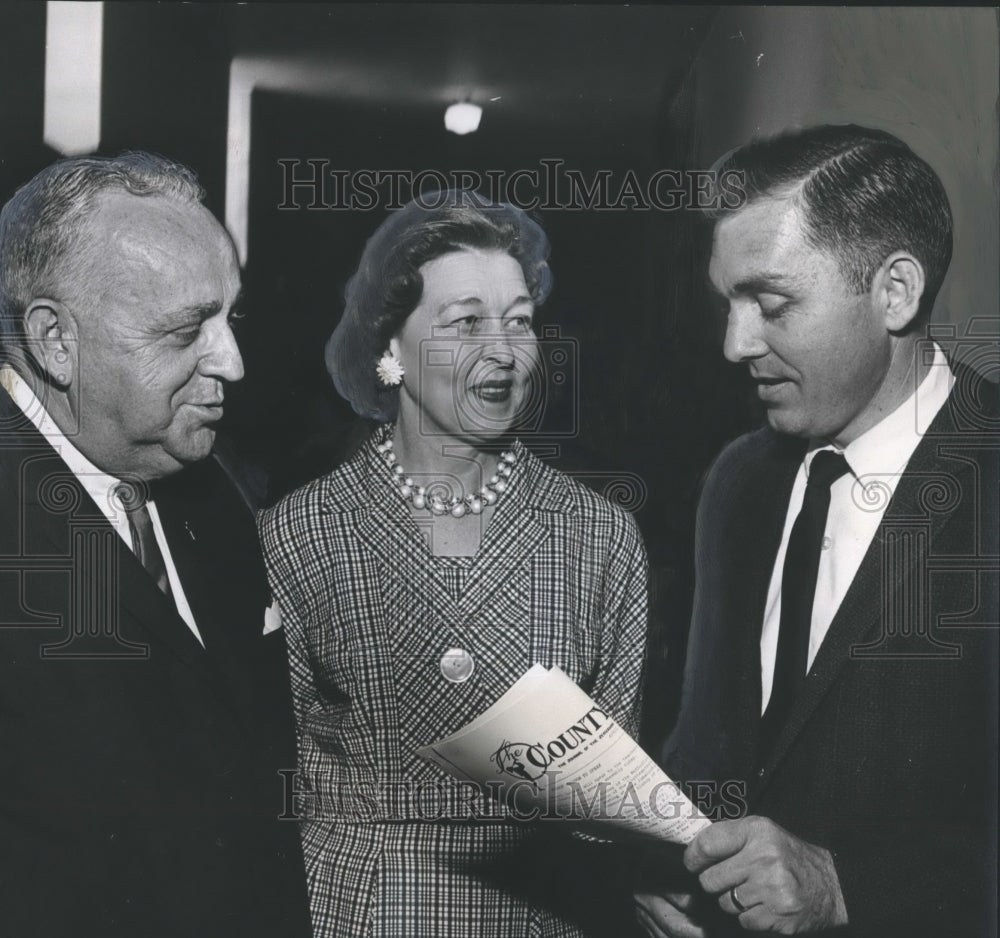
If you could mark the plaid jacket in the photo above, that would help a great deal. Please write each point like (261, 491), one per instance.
(560, 579)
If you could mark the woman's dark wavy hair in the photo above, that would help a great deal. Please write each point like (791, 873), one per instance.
(865, 193)
(387, 285)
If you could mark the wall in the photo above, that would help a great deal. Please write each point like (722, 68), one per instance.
(22, 78)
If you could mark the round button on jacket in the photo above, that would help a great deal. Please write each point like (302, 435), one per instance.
(457, 665)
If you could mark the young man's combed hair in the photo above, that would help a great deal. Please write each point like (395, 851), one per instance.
(865, 194)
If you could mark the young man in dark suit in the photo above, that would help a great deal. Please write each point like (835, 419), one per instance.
(842, 661)
(145, 713)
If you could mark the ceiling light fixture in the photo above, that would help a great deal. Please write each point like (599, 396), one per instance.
(463, 118)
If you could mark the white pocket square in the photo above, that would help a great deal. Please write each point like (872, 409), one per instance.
(272, 618)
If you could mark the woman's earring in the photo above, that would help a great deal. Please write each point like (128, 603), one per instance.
(389, 370)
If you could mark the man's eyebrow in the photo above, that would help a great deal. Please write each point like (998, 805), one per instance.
(186, 315)
(760, 283)
(763, 283)
(203, 311)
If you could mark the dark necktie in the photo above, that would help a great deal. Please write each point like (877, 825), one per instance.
(798, 589)
(140, 525)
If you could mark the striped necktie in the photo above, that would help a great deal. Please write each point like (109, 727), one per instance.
(140, 525)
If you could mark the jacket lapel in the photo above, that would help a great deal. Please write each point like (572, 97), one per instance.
(58, 514)
(520, 525)
(753, 555)
(213, 540)
(154, 612)
(394, 539)
(882, 590)
(122, 594)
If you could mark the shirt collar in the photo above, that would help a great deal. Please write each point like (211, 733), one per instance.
(98, 484)
(882, 452)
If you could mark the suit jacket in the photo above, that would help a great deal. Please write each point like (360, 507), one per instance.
(139, 785)
(889, 755)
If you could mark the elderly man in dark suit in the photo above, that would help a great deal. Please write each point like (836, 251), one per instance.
(842, 660)
(144, 705)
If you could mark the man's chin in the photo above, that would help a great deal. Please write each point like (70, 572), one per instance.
(193, 447)
(788, 422)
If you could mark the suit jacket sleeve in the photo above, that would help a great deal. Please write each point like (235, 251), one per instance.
(703, 745)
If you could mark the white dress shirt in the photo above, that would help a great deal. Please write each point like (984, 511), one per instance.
(98, 485)
(858, 501)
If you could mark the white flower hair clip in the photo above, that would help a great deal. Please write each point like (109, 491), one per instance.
(389, 370)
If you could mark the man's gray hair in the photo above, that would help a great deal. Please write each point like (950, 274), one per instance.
(42, 225)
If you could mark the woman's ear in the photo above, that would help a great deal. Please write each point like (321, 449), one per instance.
(394, 346)
(899, 286)
(51, 340)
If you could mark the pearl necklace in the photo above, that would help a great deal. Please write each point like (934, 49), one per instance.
(432, 497)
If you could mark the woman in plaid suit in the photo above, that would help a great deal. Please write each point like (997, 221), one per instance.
(421, 578)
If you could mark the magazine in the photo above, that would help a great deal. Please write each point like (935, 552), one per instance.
(546, 750)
